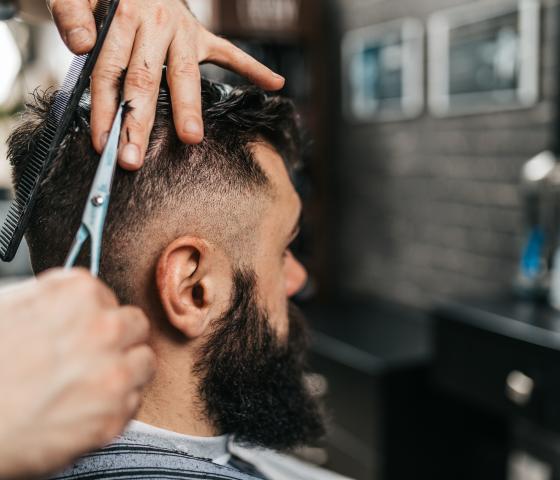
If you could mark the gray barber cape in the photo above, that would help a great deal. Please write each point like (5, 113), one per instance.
(146, 452)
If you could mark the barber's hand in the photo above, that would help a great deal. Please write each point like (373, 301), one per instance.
(72, 363)
(144, 35)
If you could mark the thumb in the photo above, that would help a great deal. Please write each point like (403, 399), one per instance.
(75, 23)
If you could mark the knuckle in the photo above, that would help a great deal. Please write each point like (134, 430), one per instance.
(127, 11)
(185, 24)
(86, 286)
(161, 14)
(75, 276)
(142, 80)
(53, 280)
(185, 68)
(108, 73)
(110, 330)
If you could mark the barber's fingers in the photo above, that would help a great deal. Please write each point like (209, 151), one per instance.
(123, 328)
(75, 22)
(140, 363)
(108, 74)
(227, 55)
(183, 76)
(141, 89)
(78, 289)
(133, 401)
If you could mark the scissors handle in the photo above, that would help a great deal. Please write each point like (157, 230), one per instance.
(81, 236)
(95, 250)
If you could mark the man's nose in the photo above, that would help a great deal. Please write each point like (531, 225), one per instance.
(296, 275)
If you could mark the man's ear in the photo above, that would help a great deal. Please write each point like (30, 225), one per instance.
(184, 287)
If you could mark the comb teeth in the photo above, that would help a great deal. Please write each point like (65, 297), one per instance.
(100, 12)
(63, 95)
(58, 121)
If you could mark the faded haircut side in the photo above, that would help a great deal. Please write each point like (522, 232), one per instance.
(209, 189)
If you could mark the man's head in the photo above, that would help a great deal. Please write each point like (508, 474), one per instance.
(200, 239)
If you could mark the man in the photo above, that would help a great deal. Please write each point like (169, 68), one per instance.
(44, 428)
(199, 239)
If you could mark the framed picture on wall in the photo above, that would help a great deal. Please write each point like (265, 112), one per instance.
(383, 71)
(484, 57)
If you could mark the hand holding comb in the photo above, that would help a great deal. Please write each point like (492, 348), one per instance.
(58, 122)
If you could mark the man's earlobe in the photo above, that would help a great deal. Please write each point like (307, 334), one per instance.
(182, 285)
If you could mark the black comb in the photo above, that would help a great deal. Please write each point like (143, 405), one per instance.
(58, 122)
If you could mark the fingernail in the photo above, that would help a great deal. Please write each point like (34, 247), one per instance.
(131, 155)
(78, 37)
(278, 76)
(192, 127)
(104, 138)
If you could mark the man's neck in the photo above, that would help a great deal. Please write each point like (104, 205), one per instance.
(171, 402)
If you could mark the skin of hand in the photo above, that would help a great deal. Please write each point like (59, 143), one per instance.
(145, 35)
(72, 362)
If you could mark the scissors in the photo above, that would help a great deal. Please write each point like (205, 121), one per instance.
(95, 212)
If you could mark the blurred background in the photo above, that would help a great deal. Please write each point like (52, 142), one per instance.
(431, 226)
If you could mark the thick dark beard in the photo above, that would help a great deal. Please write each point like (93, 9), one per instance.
(252, 384)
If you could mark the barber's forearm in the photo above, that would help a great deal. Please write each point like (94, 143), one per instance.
(33, 10)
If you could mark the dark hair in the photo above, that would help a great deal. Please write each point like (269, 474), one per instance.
(205, 183)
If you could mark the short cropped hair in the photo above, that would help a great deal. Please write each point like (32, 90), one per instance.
(180, 189)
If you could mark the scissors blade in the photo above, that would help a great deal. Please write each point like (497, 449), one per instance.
(93, 218)
(106, 169)
(98, 199)
(79, 240)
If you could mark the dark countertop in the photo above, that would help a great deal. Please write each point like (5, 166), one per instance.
(370, 335)
(521, 320)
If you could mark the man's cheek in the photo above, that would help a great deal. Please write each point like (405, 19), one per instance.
(284, 321)
(278, 317)
(272, 297)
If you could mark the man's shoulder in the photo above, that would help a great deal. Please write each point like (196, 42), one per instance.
(124, 459)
